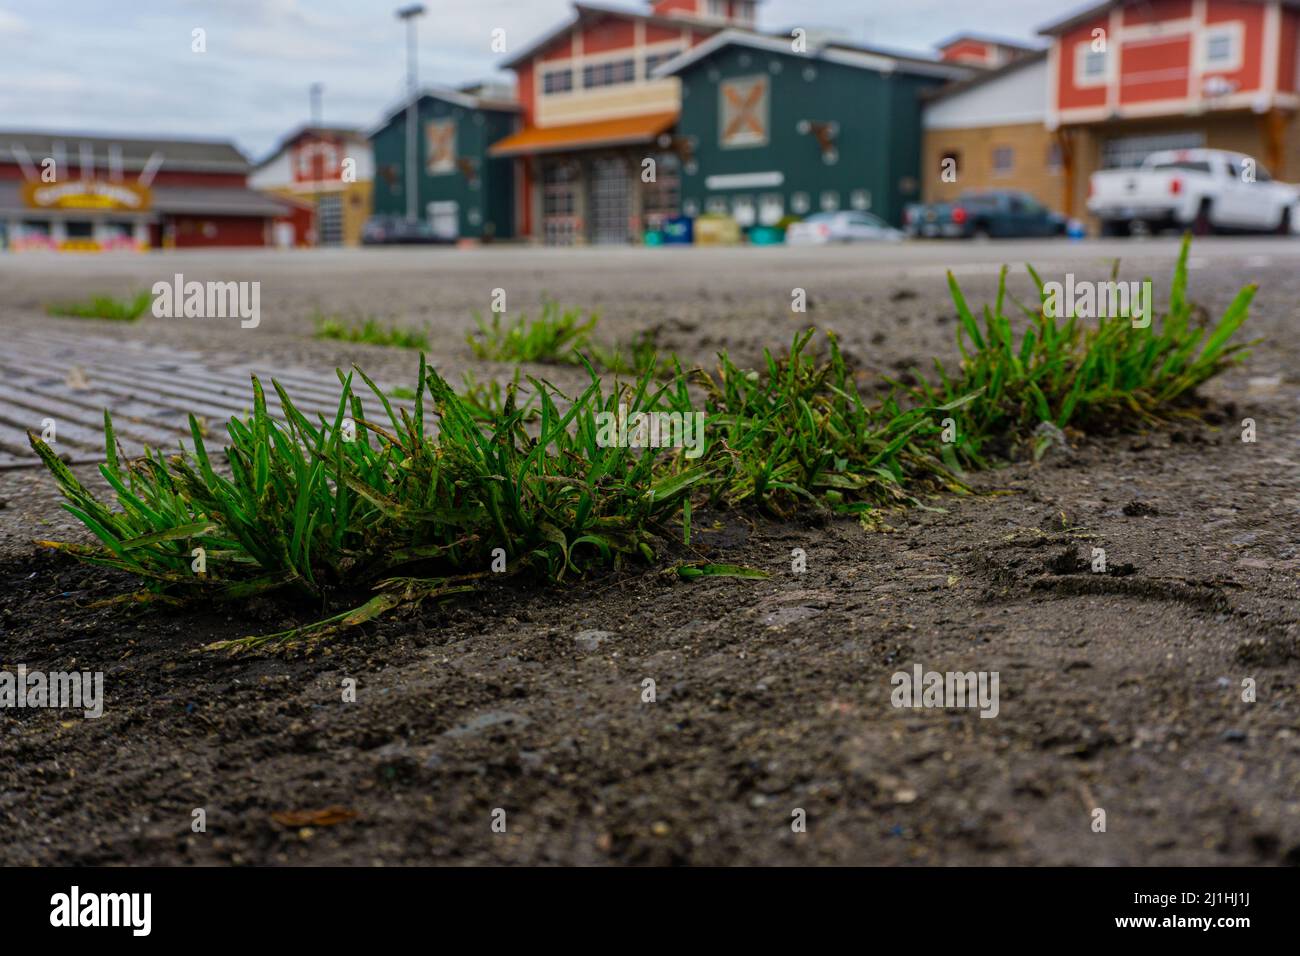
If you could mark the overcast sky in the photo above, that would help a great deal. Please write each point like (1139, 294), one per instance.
(126, 66)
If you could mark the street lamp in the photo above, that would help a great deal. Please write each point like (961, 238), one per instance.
(409, 13)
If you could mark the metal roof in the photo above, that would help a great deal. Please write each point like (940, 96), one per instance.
(193, 155)
(848, 54)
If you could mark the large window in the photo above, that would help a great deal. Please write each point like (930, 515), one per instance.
(557, 81)
(440, 139)
(1222, 49)
(1089, 65)
(744, 112)
(610, 73)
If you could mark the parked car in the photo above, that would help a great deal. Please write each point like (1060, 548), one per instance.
(844, 226)
(999, 214)
(397, 230)
(1204, 190)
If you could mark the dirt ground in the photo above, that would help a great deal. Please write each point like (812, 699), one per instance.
(1119, 691)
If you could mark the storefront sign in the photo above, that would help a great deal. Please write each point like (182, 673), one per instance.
(91, 194)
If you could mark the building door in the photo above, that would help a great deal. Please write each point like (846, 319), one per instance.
(610, 201)
(330, 225)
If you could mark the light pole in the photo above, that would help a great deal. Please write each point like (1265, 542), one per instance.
(409, 13)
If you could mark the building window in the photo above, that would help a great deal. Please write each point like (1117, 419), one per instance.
(1223, 45)
(440, 142)
(1004, 160)
(1089, 65)
(1053, 157)
(557, 81)
(830, 200)
(743, 107)
(610, 73)
(655, 60)
(743, 211)
(800, 204)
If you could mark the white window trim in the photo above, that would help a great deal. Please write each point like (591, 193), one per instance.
(1236, 31)
(1082, 81)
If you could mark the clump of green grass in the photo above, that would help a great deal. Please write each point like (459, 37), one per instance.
(637, 358)
(551, 337)
(103, 307)
(370, 332)
(418, 505)
(1089, 374)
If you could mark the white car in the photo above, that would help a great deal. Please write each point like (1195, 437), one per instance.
(824, 227)
(1204, 190)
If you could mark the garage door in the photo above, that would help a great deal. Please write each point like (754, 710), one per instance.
(610, 201)
(1124, 152)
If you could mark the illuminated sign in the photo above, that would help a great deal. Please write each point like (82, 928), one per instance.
(89, 194)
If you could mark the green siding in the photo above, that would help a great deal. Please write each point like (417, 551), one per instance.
(879, 138)
(492, 198)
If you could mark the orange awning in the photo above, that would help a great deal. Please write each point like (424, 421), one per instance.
(555, 139)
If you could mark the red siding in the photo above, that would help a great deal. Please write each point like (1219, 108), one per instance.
(193, 231)
(607, 35)
(657, 34)
(526, 92)
(1154, 11)
(1252, 16)
(1286, 61)
(561, 49)
(1154, 70)
(966, 51)
(669, 7)
(1069, 97)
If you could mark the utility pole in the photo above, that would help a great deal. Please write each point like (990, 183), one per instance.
(409, 13)
(317, 172)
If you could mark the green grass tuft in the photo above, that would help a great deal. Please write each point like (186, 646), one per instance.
(103, 307)
(370, 332)
(552, 337)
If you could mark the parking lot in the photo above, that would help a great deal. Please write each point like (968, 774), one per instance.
(774, 694)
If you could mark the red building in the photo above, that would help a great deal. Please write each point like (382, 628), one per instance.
(974, 49)
(592, 113)
(1128, 78)
(93, 193)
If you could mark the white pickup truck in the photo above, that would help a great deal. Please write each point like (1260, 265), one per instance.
(1204, 190)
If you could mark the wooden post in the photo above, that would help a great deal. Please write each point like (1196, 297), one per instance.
(1065, 144)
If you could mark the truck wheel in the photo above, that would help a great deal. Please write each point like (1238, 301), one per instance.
(1114, 228)
(980, 232)
(1201, 225)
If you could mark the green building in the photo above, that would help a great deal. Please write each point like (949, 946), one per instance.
(461, 192)
(768, 130)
